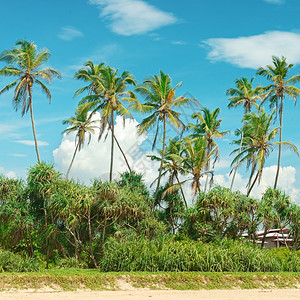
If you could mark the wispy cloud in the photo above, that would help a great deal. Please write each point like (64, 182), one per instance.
(178, 43)
(31, 143)
(254, 51)
(102, 54)
(275, 1)
(130, 17)
(17, 155)
(69, 33)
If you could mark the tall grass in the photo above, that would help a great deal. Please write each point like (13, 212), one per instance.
(167, 254)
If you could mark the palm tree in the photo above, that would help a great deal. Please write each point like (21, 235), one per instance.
(208, 126)
(24, 62)
(280, 87)
(196, 158)
(244, 95)
(110, 92)
(90, 74)
(173, 163)
(81, 123)
(160, 101)
(257, 144)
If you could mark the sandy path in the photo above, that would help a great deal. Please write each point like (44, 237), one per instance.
(290, 294)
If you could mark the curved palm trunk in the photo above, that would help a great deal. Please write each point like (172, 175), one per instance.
(280, 140)
(235, 168)
(72, 161)
(182, 193)
(33, 126)
(162, 156)
(124, 156)
(112, 146)
(253, 183)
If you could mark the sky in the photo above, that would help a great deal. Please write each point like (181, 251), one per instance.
(204, 44)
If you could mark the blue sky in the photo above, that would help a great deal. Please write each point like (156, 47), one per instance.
(204, 44)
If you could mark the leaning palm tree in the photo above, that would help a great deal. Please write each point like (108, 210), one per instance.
(208, 126)
(82, 124)
(110, 91)
(280, 87)
(258, 143)
(24, 62)
(160, 101)
(244, 95)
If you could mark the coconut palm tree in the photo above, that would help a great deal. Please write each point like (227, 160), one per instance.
(160, 101)
(82, 124)
(24, 62)
(111, 91)
(244, 95)
(208, 126)
(90, 73)
(196, 158)
(173, 164)
(258, 143)
(281, 87)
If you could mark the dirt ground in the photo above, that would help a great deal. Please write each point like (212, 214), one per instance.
(290, 294)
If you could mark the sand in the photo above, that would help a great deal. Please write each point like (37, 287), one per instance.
(290, 294)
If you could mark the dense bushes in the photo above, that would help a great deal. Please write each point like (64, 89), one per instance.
(167, 254)
(120, 227)
(10, 262)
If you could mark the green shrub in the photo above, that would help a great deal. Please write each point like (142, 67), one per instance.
(10, 262)
(167, 254)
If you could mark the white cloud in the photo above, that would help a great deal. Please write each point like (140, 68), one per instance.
(130, 17)
(69, 33)
(93, 161)
(257, 50)
(17, 155)
(31, 143)
(275, 1)
(179, 43)
(286, 182)
(10, 174)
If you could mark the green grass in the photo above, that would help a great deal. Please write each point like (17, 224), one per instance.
(73, 279)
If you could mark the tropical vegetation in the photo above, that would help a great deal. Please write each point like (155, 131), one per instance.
(187, 223)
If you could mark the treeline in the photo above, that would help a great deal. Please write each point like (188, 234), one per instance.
(120, 226)
(109, 92)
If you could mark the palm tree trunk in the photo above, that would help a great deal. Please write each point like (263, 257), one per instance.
(182, 193)
(253, 183)
(235, 168)
(124, 156)
(112, 146)
(72, 161)
(33, 127)
(162, 156)
(206, 182)
(280, 140)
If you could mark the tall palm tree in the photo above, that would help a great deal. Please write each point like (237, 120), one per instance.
(82, 124)
(208, 126)
(280, 87)
(111, 91)
(160, 101)
(244, 95)
(24, 62)
(258, 143)
(173, 164)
